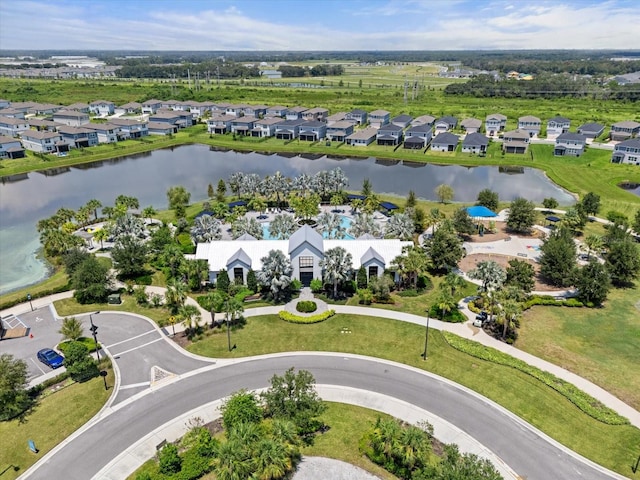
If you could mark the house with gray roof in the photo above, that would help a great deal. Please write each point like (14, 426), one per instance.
(243, 125)
(624, 130)
(219, 124)
(515, 141)
(530, 124)
(445, 124)
(418, 136)
(257, 111)
(102, 107)
(43, 142)
(312, 131)
(151, 106)
(423, 120)
(10, 147)
(557, 126)
(78, 107)
(362, 138)
(445, 142)
(337, 117)
(12, 113)
(627, 152)
(289, 129)
(402, 121)
(161, 128)
(172, 117)
(316, 114)
(359, 116)
(78, 137)
(570, 144)
(475, 143)
(378, 118)
(495, 123)
(107, 132)
(591, 130)
(131, 128)
(295, 113)
(277, 111)
(129, 108)
(339, 131)
(266, 127)
(389, 134)
(471, 125)
(72, 118)
(12, 127)
(43, 125)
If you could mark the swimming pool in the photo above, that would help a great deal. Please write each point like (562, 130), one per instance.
(345, 223)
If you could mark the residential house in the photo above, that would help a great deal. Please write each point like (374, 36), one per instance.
(219, 108)
(295, 113)
(10, 147)
(162, 128)
(358, 116)
(402, 121)
(305, 250)
(289, 129)
(557, 126)
(423, 120)
(131, 128)
(530, 124)
(78, 137)
(12, 113)
(235, 110)
(151, 106)
(389, 134)
(378, 118)
(570, 144)
(312, 131)
(591, 130)
(339, 131)
(4, 103)
(177, 118)
(43, 125)
(168, 105)
(219, 124)
(72, 118)
(266, 127)
(44, 108)
(12, 127)
(471, 125)
(102, 108)
(43, 142)
(624, 130)
(316, 114)
(444, 142)
(362, 138)
(276, 111)
(445, 124)
(78, 107)
(627, 151)
(243, 125)
(107, 132)
(23, 106)
(129, 108)
(337, 117)
(418, 136)
(475, 142)
(257, 111)
(495, 123)
(515, 141)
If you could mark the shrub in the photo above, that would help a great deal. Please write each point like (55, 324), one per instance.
(452, 316)
(140, 295)
(292, 318)
(87, 342)
(548, 300)
(580, 399)
(252, 281)
(424, 283)
(408, 293)
(296, 285)
(316, 285)
(170, 461)
(306, 306)
(365, 296)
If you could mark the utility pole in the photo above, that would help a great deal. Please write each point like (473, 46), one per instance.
(405, 89)
(189, 78)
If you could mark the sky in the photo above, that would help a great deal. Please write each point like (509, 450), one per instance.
(319, 25)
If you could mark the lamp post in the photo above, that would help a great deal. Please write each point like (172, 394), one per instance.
(29, 298)
(426, 338)
(94, 331)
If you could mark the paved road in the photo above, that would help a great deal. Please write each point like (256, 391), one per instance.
(522, 448)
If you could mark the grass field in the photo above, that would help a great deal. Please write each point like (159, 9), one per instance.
(602, 345)
(612, 446)
(55, 417)
(69, 306)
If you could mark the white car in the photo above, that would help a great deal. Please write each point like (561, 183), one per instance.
(477, 322)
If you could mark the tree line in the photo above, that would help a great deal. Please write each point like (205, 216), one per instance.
(323, 70)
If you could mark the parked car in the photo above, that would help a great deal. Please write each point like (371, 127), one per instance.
(50, 358)
(477, 322)
(482, 316)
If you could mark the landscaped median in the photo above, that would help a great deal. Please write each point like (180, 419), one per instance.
(308, 319)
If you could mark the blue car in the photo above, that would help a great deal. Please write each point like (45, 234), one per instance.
(50, 358)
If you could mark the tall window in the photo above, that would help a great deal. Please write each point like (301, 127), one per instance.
(373, 271)
(238, 274)
(306, 262)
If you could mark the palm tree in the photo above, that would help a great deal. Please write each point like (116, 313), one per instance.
(235, 181)
(176, 295)
(231, 461)
(282, 226)
(329, 225)
(275, 273)
(71, 329)
(492, 277)
(304, 184)
(338, 181)
(414, 447)
(400, 226)
(594, 244)
(365, 224)
(190, 315)
(337, 266)
(510, 311)
(411, 263)
(148, 212)
(206, 229)
(101, 235)
(129, 225)
(247, 225)
(93, 205)
(445, 303)
(271, 460)
(453, 282)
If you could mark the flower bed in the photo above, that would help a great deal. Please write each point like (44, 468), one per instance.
(292, 318)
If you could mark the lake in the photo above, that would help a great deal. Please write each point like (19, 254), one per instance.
(27, 198)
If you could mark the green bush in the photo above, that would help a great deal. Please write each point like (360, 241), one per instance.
(452, 316)
(87, 342)
(316, 285)
(548, 300)
(580, 399)
(296, 285)
(306, 306)
(292, 318)
(424, 283)
(408, 293)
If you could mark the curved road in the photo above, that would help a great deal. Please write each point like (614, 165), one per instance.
(520, 446)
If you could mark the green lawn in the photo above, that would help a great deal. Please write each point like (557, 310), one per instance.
(55, 418)
(612, 446)
(58, 280)
(69, 307)
(602, 345)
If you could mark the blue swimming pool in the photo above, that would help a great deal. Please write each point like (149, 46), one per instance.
(345, 222)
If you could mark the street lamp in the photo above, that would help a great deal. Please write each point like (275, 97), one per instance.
(29, 298)
(94, 331)
(426, 338)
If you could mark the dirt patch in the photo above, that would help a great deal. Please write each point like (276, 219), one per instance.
(500, 232)
(470, 261)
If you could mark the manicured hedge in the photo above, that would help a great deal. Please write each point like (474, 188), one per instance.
(580, 399)
(306, 306)
(87, 342)
(292, 318)
(548, 300)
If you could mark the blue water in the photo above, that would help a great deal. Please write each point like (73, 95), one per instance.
(345, 223)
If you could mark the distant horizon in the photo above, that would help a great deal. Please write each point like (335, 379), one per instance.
(333, 25)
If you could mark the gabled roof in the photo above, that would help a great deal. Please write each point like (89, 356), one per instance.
(402, 119)
(245, 237)
(423, 128)
(633, 143)
(70, 113)
(357, 111)
(578, 137)
(475, 139)
(365, 134)
(559, 119)
(390, 127)
(313, 124)
(448, 119)
(626, 124)
(241, 256)
(497, 116)
(306, 234)
(529, 118)
(517, 134)
(369, 255)
(379, 113)
(445, 138)
(471, 123)
(423, 119)
(591, 127)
